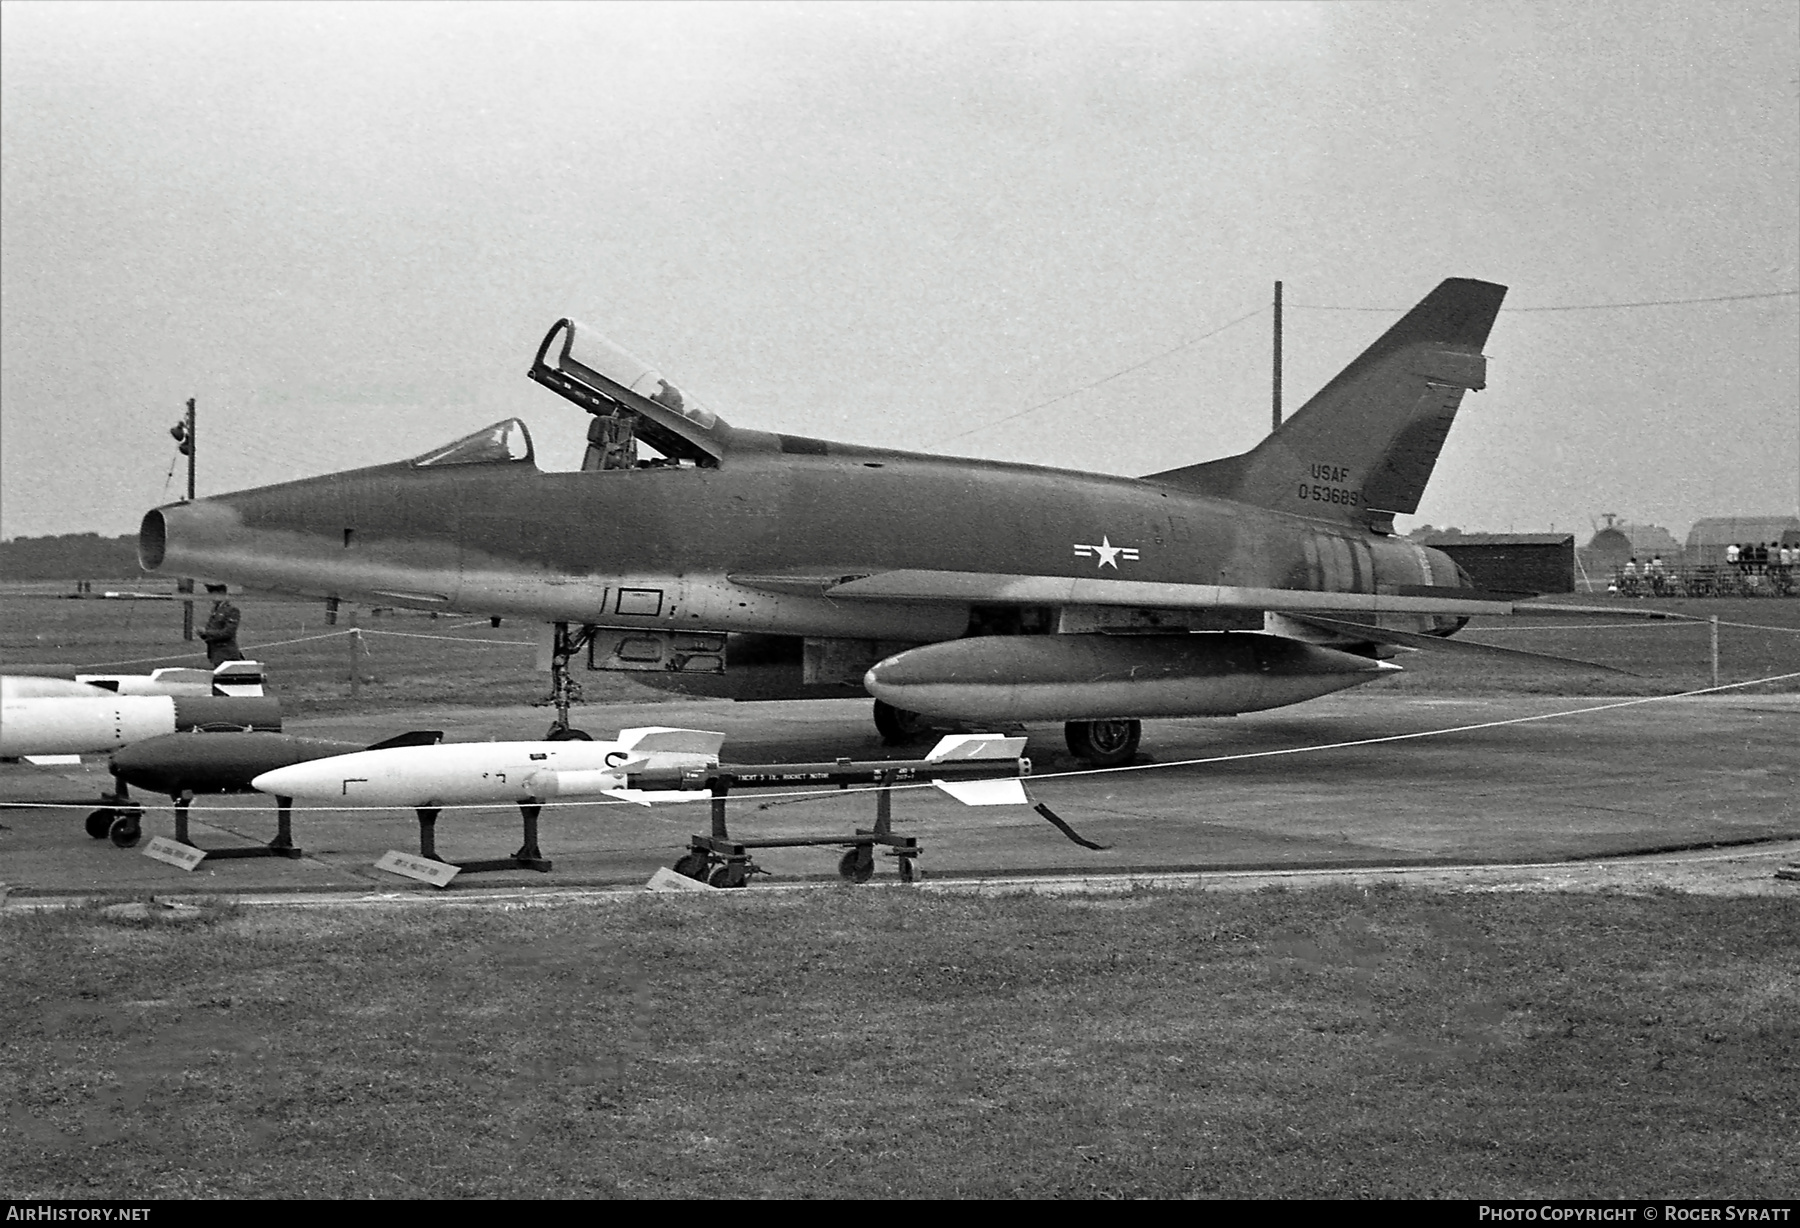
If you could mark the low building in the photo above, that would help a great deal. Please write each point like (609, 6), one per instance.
(1708, 539)
(1511, 562)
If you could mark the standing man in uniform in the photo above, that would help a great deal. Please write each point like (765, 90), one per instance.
(220, 632)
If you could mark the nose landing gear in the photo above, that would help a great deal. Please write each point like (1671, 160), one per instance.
(564, 690)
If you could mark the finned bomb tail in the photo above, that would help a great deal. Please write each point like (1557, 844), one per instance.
(1364, 446)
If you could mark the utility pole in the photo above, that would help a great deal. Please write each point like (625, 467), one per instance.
(1276, 400)
(183, 432)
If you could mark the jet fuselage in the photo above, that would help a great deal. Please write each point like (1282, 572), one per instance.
(739, 546)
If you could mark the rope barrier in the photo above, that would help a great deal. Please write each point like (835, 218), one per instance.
(177, 656)
(307, 639)
(1759, 627)
(454, 639)
(676, 799)
(1686, 623)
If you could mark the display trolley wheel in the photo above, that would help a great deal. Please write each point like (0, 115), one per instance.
(858, 864)
(126, 831)
(728, 874)
(693, 866)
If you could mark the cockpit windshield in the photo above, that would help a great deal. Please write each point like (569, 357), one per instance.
(502, 443)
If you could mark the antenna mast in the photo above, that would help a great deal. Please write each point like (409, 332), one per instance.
(1276, 397)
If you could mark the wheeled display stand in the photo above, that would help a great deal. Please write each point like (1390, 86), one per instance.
(121, 820)
(721, 861)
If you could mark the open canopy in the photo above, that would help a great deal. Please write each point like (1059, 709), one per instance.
(607, 380)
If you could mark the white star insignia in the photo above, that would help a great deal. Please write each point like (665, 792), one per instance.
(1108, 554)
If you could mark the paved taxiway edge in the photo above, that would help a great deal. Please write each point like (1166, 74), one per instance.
(1740, 870)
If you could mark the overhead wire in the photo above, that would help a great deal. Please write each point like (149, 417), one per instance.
(1138, 366)
(1655, 302)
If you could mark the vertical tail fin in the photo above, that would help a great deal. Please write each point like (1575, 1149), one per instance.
(1364, 446)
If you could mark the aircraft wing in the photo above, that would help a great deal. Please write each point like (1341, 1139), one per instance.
(1000, 588)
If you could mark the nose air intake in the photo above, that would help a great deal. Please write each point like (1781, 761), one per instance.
(153, 541)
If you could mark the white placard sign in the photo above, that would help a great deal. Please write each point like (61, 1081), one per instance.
(181, 856)
(411, 865)
(666, 879)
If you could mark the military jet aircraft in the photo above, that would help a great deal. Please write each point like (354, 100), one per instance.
(728, 561)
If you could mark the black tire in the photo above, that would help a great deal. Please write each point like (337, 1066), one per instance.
(693, 866)
(897, 725)
(126, 831)
(100, 823)
(1104, 743)
(727, 874)
(857, 865)
(565, 734)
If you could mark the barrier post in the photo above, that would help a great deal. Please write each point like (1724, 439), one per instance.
(1715, 649)
(355, 637)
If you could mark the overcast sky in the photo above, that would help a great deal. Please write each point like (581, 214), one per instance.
(345, 228)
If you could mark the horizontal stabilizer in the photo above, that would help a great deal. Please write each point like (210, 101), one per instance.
(1448, 593)
(1438, 643)
(976, 746)
(1609, 611)
(1008, 792)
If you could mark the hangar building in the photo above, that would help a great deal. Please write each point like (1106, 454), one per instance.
(1708, 538)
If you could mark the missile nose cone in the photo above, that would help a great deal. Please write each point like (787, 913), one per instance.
(281, 781)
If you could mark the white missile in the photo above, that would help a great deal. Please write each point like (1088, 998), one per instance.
(476, 773)
(230, 678)
(57, 716)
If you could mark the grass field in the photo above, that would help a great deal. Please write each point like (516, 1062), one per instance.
(467, 661)
(1332, 1043)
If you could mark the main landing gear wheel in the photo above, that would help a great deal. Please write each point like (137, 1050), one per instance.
(126, 831)
(562, 733)
(897, 725)
(100, 822)
(1103, 743)
(858, 864)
